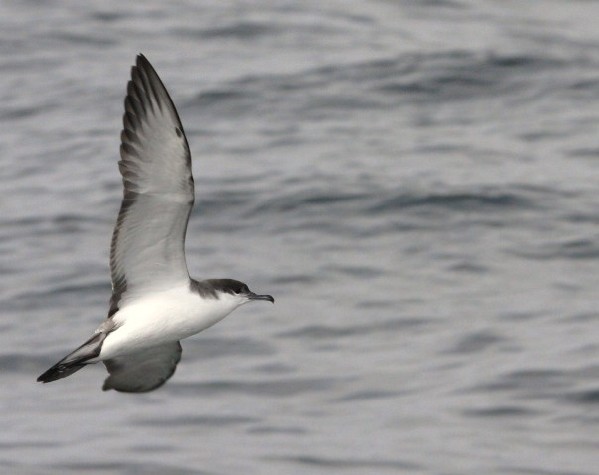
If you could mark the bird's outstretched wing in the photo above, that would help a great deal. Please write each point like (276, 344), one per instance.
(147, 252)
(144, 370)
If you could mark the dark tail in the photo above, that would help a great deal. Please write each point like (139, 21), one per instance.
(74, 361)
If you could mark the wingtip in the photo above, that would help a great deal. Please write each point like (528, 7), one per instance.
(141, 60)
(144, 66)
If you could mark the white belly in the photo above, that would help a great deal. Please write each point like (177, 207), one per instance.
(163, 317)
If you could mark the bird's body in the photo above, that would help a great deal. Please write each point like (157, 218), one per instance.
(154, 302)
(168, 315)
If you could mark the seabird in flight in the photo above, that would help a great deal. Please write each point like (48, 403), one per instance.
(154, 302)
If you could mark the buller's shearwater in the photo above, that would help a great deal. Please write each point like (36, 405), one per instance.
(154, 302)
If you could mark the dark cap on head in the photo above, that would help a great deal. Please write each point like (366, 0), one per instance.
(234, 287)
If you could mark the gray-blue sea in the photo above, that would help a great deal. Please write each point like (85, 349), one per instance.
(416, 182)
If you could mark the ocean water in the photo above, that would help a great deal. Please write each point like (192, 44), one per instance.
(416, 182)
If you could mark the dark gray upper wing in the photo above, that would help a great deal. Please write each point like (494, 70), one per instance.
(144, 370)
(147, 250)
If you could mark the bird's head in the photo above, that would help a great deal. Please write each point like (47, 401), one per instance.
(237, 290)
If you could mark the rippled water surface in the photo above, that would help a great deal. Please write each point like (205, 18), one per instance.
(417, 183)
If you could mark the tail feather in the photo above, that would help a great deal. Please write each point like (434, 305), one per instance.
(75, 360)
(59, 371)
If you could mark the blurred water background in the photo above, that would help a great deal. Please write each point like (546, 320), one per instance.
(416, 182)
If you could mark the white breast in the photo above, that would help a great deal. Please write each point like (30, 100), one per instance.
(163, 317)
